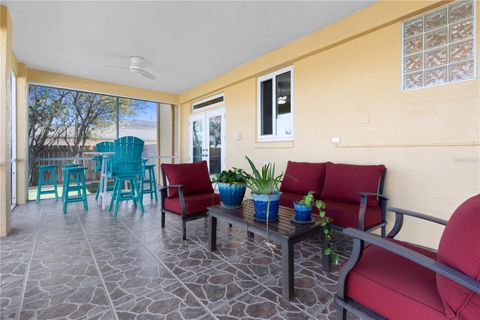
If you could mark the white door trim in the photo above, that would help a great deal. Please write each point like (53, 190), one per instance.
(212, 113)
(195, 117)
(204, 116)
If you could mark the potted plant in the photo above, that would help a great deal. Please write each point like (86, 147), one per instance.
(265, 194)
(232, 184)
(303, 208)
(327, 231)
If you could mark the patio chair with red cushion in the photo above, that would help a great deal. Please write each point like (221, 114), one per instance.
(187, 192)
(390, 279)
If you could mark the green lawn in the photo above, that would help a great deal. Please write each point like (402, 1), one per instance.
(91, 189)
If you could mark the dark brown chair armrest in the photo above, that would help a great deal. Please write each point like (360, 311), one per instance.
(419, 215)
(427, 262)
(372, 194)
(181, 197)
(164, 188)
(400, 213)
(363, 208)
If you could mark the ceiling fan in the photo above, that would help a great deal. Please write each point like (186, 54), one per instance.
(136, 67)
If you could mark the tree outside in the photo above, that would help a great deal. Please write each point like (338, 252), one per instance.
(74, 121)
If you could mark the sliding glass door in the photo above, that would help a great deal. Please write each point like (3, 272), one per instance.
(139, 118)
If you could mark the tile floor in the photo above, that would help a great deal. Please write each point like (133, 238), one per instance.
(92, 266)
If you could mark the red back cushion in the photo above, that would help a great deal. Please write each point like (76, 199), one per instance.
(193, 176)
(343, 182)
(302, 177)
(460, 249)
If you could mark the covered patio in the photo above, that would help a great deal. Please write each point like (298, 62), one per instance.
(92, 266)
(121, 122)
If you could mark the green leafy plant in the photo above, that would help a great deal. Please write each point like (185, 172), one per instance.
(308, 199)
(231, 176)
(327, 231)
(264, 181)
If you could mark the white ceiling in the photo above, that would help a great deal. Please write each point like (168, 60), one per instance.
(184, 43)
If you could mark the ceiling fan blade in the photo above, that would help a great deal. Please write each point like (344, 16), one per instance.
(148, 75)
(116, 67)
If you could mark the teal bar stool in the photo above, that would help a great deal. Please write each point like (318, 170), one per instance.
(44, 171)
(127, 166)
(105, 146)
(151, 181)
(75, 178)
(75, 174)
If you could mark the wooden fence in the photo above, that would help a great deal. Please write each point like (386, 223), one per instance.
(56, 152)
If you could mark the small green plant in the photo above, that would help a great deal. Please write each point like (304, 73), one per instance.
(231, 176)
(308, 199)
(327, 231)
(263, 181)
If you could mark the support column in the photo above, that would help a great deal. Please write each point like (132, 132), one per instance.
(5, 67)
(22, 135)
(174, 129)
(159, 141)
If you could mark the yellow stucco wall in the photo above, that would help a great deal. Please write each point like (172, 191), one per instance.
(7, 62)
(428, 138)
(362, 22)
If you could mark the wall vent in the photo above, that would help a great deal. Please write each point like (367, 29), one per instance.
(210, 102)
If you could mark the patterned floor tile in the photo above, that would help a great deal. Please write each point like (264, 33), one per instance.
(330, 313)
(15, 253)
(90, 265)
(259, 303)
(218, 284)
(311, 293)
(190, 262)
(263, 268)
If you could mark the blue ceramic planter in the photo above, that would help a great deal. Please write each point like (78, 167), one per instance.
(261, 204)
(231, 194)
(302, 213)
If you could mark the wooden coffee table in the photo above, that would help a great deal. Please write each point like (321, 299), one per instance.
(283, 231)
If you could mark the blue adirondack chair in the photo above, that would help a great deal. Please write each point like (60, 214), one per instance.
(127, 165)
(105, 146)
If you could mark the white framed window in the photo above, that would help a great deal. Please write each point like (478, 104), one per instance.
(439, 46)
(275, 105)
(210, 102)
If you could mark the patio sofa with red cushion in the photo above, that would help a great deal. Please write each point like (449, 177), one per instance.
(352, 193)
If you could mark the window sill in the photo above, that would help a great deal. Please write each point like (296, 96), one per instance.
(275, 144)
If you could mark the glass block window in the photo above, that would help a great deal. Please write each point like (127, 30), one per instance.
(439, 46)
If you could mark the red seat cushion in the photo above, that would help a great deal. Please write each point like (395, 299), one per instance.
(343, 182)
(460, 249)
(345, 214)
(302, 177)
(193, 176)
(395, 287)
(193, 204)
(287, 199)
